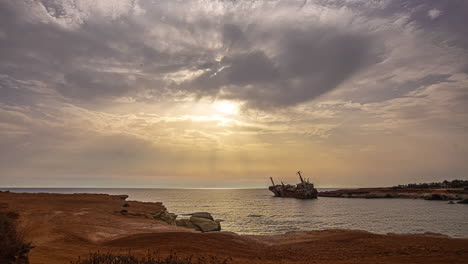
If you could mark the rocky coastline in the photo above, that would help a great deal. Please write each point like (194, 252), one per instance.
(199, 221)
(377, 193)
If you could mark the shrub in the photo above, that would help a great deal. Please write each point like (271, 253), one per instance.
(150, 258)
(13, 248)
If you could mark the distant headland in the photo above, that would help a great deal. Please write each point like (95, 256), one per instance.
(446, 191)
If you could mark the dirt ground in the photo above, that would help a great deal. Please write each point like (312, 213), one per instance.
(65, 226)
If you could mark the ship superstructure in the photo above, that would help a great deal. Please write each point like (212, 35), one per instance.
(302, 190)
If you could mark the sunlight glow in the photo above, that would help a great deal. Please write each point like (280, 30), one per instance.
(226, 107)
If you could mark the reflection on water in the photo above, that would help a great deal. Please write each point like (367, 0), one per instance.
(255, 211)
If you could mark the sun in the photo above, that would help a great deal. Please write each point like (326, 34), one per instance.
(226, 107)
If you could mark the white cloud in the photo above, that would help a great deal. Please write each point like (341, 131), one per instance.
(434, 13)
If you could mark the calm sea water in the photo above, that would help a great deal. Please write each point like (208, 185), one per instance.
(255, 211)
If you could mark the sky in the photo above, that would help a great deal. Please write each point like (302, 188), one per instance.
(227, 93)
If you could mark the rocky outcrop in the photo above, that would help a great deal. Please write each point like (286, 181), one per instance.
(201, 221)
(203, 215)
(167, 217)
(205, 225)
(464, 201)
(119, 197)
(187, 224)
(372, 193)
(443, 196)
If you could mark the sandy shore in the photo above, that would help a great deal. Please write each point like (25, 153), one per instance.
(65, 226)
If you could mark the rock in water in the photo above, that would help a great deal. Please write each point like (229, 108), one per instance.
(200, 221)
(205, 225)
(166, 217)
(187, 224)
(254, 215)
(203, 215)
(120, 197)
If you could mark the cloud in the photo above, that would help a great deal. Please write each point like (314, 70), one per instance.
(302, 65)
(267, 54)
(434, 13)
(343, 82)
(108, 51)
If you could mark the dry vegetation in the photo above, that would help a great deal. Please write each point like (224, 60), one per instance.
(150, 258)
(13, 248)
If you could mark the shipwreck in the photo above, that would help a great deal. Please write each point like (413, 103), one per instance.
(302, 190)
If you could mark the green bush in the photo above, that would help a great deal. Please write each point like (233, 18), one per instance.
(13, 248)
(150, 258)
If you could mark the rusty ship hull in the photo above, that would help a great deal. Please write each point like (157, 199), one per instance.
(302, 190)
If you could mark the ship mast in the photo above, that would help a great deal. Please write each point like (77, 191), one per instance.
(272, 181)
(300, 176)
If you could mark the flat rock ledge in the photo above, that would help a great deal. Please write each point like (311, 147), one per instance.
(201, 221)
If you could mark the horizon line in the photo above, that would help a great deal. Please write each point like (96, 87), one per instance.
(184, 188)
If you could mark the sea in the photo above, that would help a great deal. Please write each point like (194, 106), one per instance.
(257, 212)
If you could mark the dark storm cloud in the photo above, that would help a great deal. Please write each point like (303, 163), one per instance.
(303, 65)
(78, 62)
(244, 56)
(234, 38)
(448, 23)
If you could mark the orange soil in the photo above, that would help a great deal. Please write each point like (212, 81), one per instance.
(64, 227)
